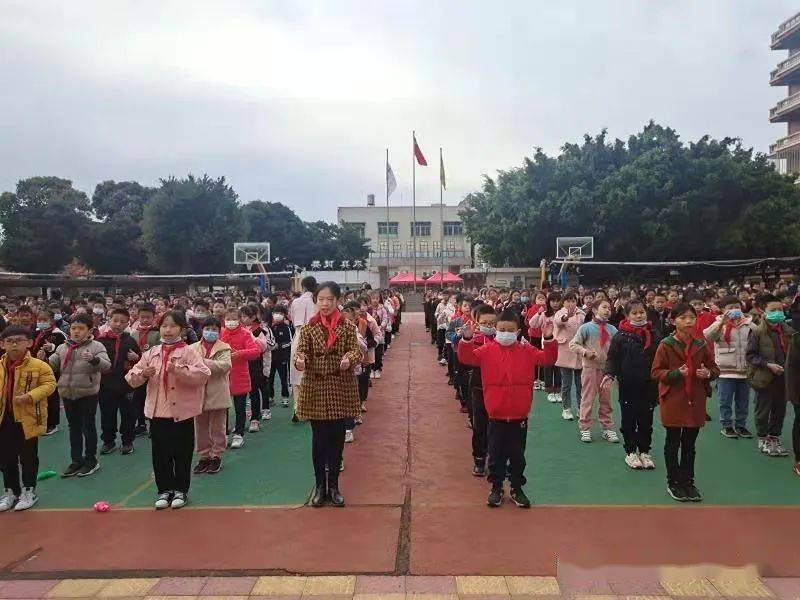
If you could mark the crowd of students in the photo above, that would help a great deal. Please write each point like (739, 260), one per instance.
(170, 368)
(662, 348)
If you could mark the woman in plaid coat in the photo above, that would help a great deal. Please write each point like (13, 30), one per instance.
(327, 354)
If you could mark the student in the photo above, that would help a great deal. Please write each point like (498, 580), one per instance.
(48, 337)
(551, 375)
(259, 394)
(591, 343)
(115, 394)
(25, 317)
(683, 367)
(566, 323)
(442, 316)
(351, 313)
(460, 371)
(658, 315)
(26, 383)
(729, 334)
(283, 332)
(374, 337)
(507, 369)
(199, 315)
(630, 361)
(533, 320)
(243, 350)
(766, 356)
(147, 335)
(381, 316)
(792, 377)
(78, 364)
(210, 425)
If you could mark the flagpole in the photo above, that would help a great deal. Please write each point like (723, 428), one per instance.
(441, 215)
(414, 202)
(386, 176)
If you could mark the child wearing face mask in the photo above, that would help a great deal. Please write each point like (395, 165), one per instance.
(507, 368)
(146, 333)
(47, 338)
(283, 332)
(566, 323)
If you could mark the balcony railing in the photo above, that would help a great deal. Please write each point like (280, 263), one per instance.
(785, 105)
(376, 254)
(785, 27)
(785, 66)
(784, 143)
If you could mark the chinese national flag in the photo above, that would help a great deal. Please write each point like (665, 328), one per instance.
(418, 154)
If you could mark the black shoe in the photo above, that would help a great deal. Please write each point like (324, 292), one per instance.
(708, 418)
(320, 496)
(479, 469)
(202, 466)
(729, 432)
(335, 496)
(692, 493)
(108, 448)
(214, 466)
(127, 449)
(71, 470)
(140, 430)
(743, 432)
(295, 419)
(495, 497)
(677, 493)
(520, 499)
(89, 468)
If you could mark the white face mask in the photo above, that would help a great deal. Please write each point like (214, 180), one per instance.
(231, 324)
(505, 338)
(487, 330)
(278, 318)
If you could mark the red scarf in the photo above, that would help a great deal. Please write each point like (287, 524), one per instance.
(645, 331)
(166, 350)
(328, 323)
(71, 347)
(688, 359)
(207, 347)
(781, 338)
(117, 344)
(604, 336)
(143, 337)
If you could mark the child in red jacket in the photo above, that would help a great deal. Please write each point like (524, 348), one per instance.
(507, 368)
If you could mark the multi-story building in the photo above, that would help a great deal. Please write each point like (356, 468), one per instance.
(392, 232)
(786, 150)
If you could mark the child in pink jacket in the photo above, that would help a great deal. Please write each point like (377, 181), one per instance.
(566, 323)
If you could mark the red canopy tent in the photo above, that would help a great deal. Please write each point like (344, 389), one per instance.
(405, 278)
(448, 278)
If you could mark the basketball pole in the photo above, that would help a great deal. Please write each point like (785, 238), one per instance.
(441, 223)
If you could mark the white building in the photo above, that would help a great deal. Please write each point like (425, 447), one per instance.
(439, 238)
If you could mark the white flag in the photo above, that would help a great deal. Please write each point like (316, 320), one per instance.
(391, 182)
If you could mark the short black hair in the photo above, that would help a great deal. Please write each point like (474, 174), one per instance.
(46, 310)
(212, 321)
(763, 299)
(310, 284)
(484, 309)
(25, 309)
(147, 307)
(280, 309)
(630, 305)
(729, 300)
(509, 315)
(334, 288)
(120, 311)
(353, 305)
(201, 302)
(570, 296)
(250, 311)
(84, 319)
(16, 330)
(681, 308)
(178, 317)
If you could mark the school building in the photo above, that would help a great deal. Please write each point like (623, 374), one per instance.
(786, 151)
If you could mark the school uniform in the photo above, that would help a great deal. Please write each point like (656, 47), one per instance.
(259, 394)
(590, 338)
(284, 338)
(210, 425)
(569, 363)
(116, 396)
(42, 338)
(145, 338)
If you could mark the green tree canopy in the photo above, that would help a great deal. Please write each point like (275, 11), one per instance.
(652, 198)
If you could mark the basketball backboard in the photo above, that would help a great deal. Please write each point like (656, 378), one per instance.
(251, 253)
(574, 248)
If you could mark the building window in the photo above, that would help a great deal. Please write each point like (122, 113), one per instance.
(387, 228)
(453, 228)
(421, 228)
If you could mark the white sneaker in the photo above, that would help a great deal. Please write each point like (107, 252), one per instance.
(647, 462)
(285, 403)
(586, 436)
(266, 415)
(378, 373)
(341, 466)
(372, 374)
(558, 397)
(610, 435)
(179, 500)
(442, 361)
(237, 441)
(52, 431)
(633, 461)
(348, 436)
(567, 415)
(27, 499)
(551, 398)
(162, 501)
(8, 501)
(254, 427)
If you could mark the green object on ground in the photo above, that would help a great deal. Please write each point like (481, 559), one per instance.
(45, 475)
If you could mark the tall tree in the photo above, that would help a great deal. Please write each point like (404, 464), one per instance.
(277, 224)
(41, 223)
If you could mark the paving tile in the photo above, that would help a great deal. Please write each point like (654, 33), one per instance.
(279, 586)
(330, 586)
(594, 597)
(786, 588)
(170, 598)
(228, 586)
(224, 597)
(533, 586)
(535, 597)
(485, 596)
(178, 586)
(421, 584)
(472, 585)
(638, 586)
(424, 596)
(121, 588)
(381, 596)
(77, 588)
(691, 587)
(366, 584)
(734, 586)
(26, 588)
(645, 597)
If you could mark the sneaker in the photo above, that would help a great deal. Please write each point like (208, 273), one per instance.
(538, 384)
(442, 362)
(495, 497)
(266, 415)
(692, 493)
(108, 448)
(285, 403)
(743, 432)
(633, 461)
(647, 461)
(89, 468)
(551, 398)
(520, 499)
(202, 466)
(558, 397)
(349, 438)
(51, 430)
(179, 500)
(378, 374)
(140, 430)
(341, 466)
(237, 441)
(586, 436)
(214, 466)
(763, 445)
(372, 374)
(777, 448)
(479, 469)
(254, 427)
(567, 415)
(126, 449)
(677, 493)
(27, 499)
(358, 420)
(611, 436)
(162, 500)
(363, 407)
(7, 501)
(71, 470)
(729, 432)
(294, 418)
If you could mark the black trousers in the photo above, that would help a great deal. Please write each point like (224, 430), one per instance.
(680, 440)
(796, 433)
(636, 406)
(552, 379)
(53, 410)
(259, 396)
(172, 448)
(18, 456)
(82, 419)
(771, 409)
(433, 328)
(327, 446)
(378, 366)
(139, 396)
(387, 341)
(440, 343)
(240, 408)
(398, 321)
(282, 369)
(363, 383)
(111, 403)
(480, 425)
(507, 449)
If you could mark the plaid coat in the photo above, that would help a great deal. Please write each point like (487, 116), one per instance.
(326, 393)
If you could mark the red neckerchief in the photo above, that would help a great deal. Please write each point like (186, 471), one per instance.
(39, 341)
(688, 359)
(645, 331)
(143, 336)
(604, 336)
(458, 314)
(207, 347)
(328, 323)
(166, 350)
(71, 346)
(117, 337)
(781, 338)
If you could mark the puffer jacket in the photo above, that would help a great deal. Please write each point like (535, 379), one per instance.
(731, 356)
(218, 360)
(80, 377)
(34, 377)
(564, 331)
(244, 345)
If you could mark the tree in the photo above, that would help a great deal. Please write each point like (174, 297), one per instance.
(41, 223)
(650, 198)
(277, 224)
(190, 226)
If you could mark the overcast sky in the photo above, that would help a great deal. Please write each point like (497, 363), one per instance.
(297, 101)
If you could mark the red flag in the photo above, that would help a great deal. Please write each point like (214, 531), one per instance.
(418, 154)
